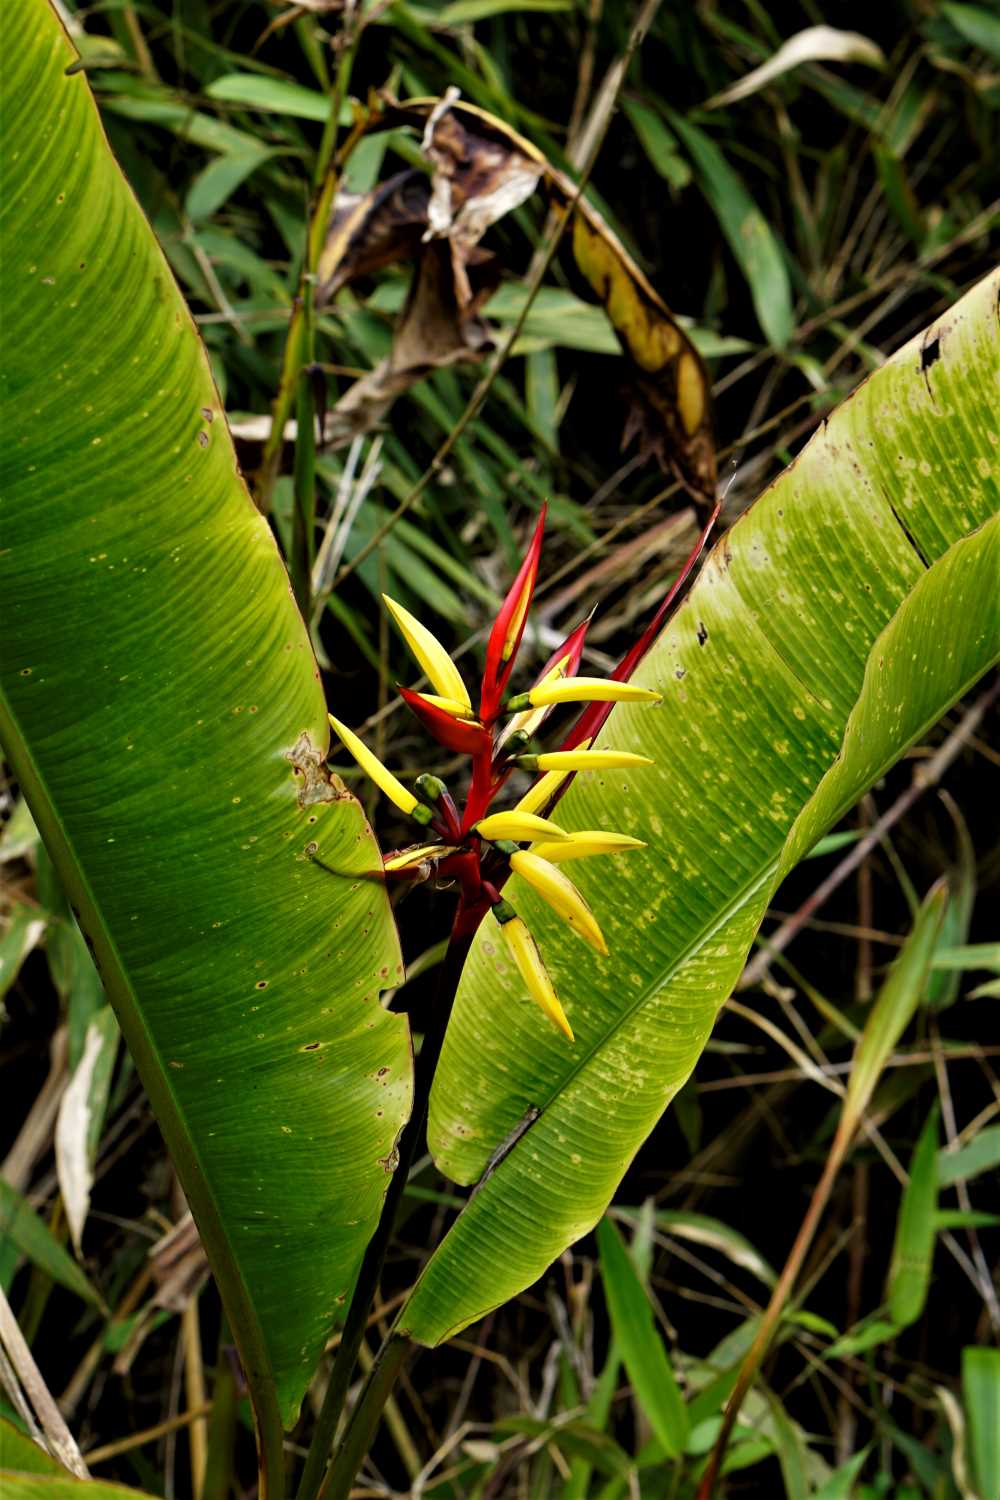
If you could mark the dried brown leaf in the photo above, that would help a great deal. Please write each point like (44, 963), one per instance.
(482, 169)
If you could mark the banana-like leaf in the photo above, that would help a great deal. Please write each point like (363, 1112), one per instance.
(162, 711)
(843, 613)
(20, 1486)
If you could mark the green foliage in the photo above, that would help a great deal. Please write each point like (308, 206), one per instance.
(639, 1343)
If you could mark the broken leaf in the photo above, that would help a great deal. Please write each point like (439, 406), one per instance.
(432, 331)
(370, 230)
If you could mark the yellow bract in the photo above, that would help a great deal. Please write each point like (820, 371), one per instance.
(561, 894)
(581, 845)
(545, 787)
(518, 825)
(590, 760)
(373, 767)
(525, 954)
(589, 690)
(531, 718)
(449, 706)
(431, 655)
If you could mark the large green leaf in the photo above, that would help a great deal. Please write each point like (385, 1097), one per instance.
(820, 598)
(162, 711)
(15, 1485)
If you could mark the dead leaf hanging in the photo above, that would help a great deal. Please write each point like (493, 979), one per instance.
(482, 169)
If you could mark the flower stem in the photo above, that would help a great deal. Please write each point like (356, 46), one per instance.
(314, 1475)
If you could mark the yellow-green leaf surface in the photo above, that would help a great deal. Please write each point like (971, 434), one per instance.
(21, 1486)
(867, 578)
(21, 1453)
(163, 713)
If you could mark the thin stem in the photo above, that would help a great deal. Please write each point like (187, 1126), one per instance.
(326, 178)
(365, 1418)
(221, 1425)
(782, 1291)
(304, 482)
(61, 1442)
(312, 1481)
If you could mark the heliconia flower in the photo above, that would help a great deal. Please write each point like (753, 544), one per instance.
(544, 788)
(467, 736)
(586, 843)
(524, 951)
(417, 855)
(561, 894)
(508, 627)
(431, 655)
(380, 774)
(582, 760)
(519, 826)
(581, 690)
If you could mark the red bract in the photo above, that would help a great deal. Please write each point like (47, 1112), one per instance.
(508, 627)
(455, 734)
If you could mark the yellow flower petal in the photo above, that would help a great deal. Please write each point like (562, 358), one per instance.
(450, 706)
(561, 894)
(536, 796)
(581, 845)
(380, 774)
(583, 690)
(587, 760)
(417, 855)
(519, 826)
(524, 951)
(431, 655)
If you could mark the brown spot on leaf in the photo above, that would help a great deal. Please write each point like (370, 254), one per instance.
(318, 785)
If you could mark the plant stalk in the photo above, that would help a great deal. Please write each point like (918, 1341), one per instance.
(312, 1483)
(782, 1291)
(361, 1428)
(326, 177)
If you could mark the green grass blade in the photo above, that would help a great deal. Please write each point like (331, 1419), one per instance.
(21, 1228)
(916, 1231)
(750, 236)
(639, 1344)
(981, 1398)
